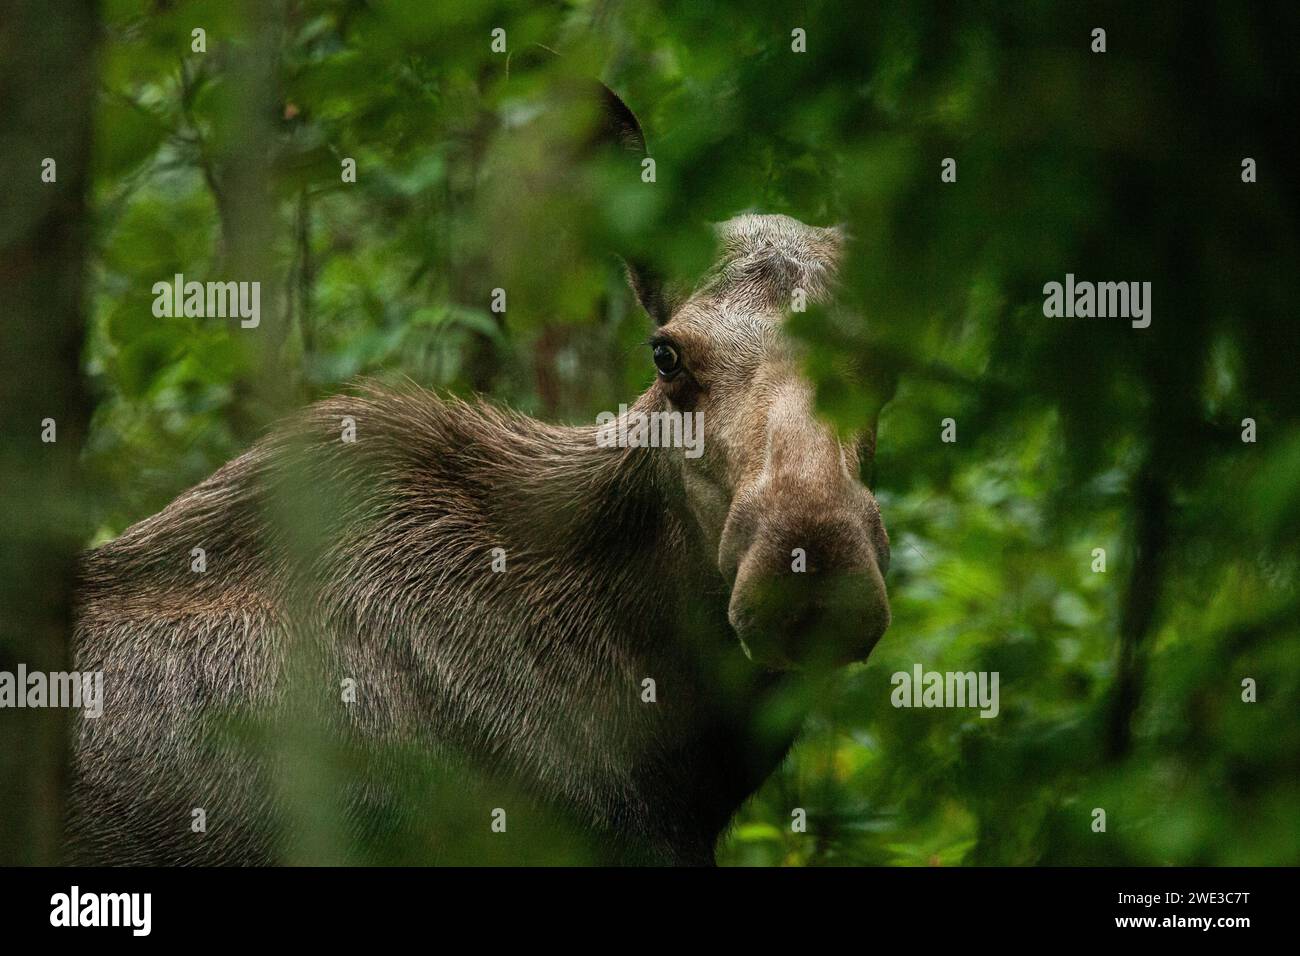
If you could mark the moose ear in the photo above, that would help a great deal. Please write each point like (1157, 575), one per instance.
(651, 291)
(618, 124)
(619, 127)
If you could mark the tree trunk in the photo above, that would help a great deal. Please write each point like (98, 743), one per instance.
(47, 70)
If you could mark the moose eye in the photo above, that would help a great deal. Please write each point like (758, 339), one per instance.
(666, 359)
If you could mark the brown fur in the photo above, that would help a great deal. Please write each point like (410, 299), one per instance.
(622, 564)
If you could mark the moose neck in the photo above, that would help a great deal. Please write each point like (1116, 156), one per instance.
(618, 518)
(608, 534)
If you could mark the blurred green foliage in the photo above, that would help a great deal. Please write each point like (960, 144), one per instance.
(1121, 689)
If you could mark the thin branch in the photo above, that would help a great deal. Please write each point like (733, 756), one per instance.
(188, 87)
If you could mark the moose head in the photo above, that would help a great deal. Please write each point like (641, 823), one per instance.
(775, 493)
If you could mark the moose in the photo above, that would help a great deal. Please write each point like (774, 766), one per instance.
(500, 592)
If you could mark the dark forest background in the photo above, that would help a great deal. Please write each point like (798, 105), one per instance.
(1120, 689)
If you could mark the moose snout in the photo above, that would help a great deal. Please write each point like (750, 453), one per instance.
(808, 592)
